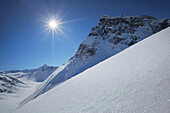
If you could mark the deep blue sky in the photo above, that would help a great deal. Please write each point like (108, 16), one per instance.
(24, 45)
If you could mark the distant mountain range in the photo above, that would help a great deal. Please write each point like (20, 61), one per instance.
(37, 75)
(10, 80)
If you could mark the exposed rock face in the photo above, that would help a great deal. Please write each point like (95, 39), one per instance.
(112, 35)
(119, 33)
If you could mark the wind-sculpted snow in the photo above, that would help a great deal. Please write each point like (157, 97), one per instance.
(109, 37)
(135, 80)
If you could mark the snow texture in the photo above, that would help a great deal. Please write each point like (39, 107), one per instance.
(135, 80)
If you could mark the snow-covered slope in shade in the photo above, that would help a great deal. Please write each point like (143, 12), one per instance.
(110, 36)
(136, 80)
(37, 75)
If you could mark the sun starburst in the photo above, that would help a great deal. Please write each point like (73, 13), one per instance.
(53, 24)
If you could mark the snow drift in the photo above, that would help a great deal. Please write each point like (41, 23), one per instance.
(135, 80)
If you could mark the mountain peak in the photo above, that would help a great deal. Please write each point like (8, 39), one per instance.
(111, 36)
(38, 74)
(127, 17)
(44, 66)
(137, 80)
(106, 17)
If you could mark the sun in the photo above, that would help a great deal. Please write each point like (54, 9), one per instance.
(52, 24)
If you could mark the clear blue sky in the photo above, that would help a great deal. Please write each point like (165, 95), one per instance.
(24, 45)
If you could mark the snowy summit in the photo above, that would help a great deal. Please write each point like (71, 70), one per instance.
(136, 80)
(109, 37)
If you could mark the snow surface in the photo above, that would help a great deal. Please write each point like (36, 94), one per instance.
(136, 80)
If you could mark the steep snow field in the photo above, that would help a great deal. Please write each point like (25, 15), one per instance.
(135, 80)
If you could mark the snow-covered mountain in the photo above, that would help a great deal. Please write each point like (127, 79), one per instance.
(38, 75)
(13, 90)
(8, 84)
(109, 37)
(16, 85)
(135, 80)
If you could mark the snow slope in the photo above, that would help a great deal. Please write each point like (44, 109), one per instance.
(136, 80)
(109, 37)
